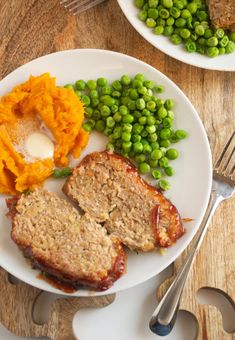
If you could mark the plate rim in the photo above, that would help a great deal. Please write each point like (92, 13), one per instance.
(169, 53)
(177, 253)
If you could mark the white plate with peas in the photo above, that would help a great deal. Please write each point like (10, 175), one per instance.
(178, 29)
(189, 186)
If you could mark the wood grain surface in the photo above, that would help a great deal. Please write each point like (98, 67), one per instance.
(29, 29)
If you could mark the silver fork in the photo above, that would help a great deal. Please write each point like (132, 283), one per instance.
(77, 6)
(164, 317)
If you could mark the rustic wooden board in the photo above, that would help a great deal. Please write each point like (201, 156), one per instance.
(32, 28)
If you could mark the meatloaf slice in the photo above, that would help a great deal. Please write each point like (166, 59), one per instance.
(222, 13)
(73, 249)
(109, 189)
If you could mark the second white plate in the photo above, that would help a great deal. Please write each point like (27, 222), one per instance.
(221, 63)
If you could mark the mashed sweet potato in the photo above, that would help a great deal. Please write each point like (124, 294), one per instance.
(38, 101)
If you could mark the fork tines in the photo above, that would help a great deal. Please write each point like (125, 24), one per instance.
(225, 164)
(77, 6)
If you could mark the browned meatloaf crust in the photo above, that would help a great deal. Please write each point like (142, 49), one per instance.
(72, 248)
(109, 189)
(222, 13)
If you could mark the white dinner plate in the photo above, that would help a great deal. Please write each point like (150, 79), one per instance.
(221, 63)
(190, 186)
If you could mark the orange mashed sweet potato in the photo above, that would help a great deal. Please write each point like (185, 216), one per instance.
(30, 105)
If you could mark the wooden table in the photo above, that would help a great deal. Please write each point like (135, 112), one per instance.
(32, 28)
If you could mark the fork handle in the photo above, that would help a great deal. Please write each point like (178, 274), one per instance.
(164, 317)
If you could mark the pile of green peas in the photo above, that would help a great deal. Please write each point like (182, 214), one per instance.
(138, 124)
(187, 22)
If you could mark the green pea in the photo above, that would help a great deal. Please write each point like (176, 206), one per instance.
(139, 3)
(147, 149)
(91, 84)
(180, 22)
(144, 168)
(132, 105)
(142, 120)
(137, 83)
(219, 33)
(230, 47)
(176, 39)
(175, 12)
(165, 143)
(172, 154)
(114, 108)
(137, 128)
(154, 145)
(91, 122)
(200, 30)
(126, 136)
(96, 114)
(169, 104)
(140, 103)
(110, 147)
(138, 147)
(88, 112)
(80, 85)
(153, 163)
(181, 134)
(185, 13)
(168, 30)
(202, 15)
(212, 42)
(126, 146)
(221, 50)
(127, 127)
(117, 132)
(62, 173)
(167, 3)
(86, 100)
(161, 22)
(232, 36)
(125, 80)
(165, 133)
(110, 122)
(106, 90)
(190, 46)
(224, 41)
(142, 90)
(152, 137)
(135, 138)
(162, 112)
(146, 113)
(185, 33)
(153, 13)
(150, 129)
(156, 154)
(143, 15)
(163, 184)
(123, 109)
(108, 131)
(140, 158)
(105, 111)
(116, 85)
(170, 21)
(102, 82)
(128, 118)
(153, 3)
(151, 120)
(150, 22)
(117, 117)
(87, 127)
(100, 125)
(156, 174)
(163, 162)
(164, 13)
(192, 7)
(151, 105)
(169, 171)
